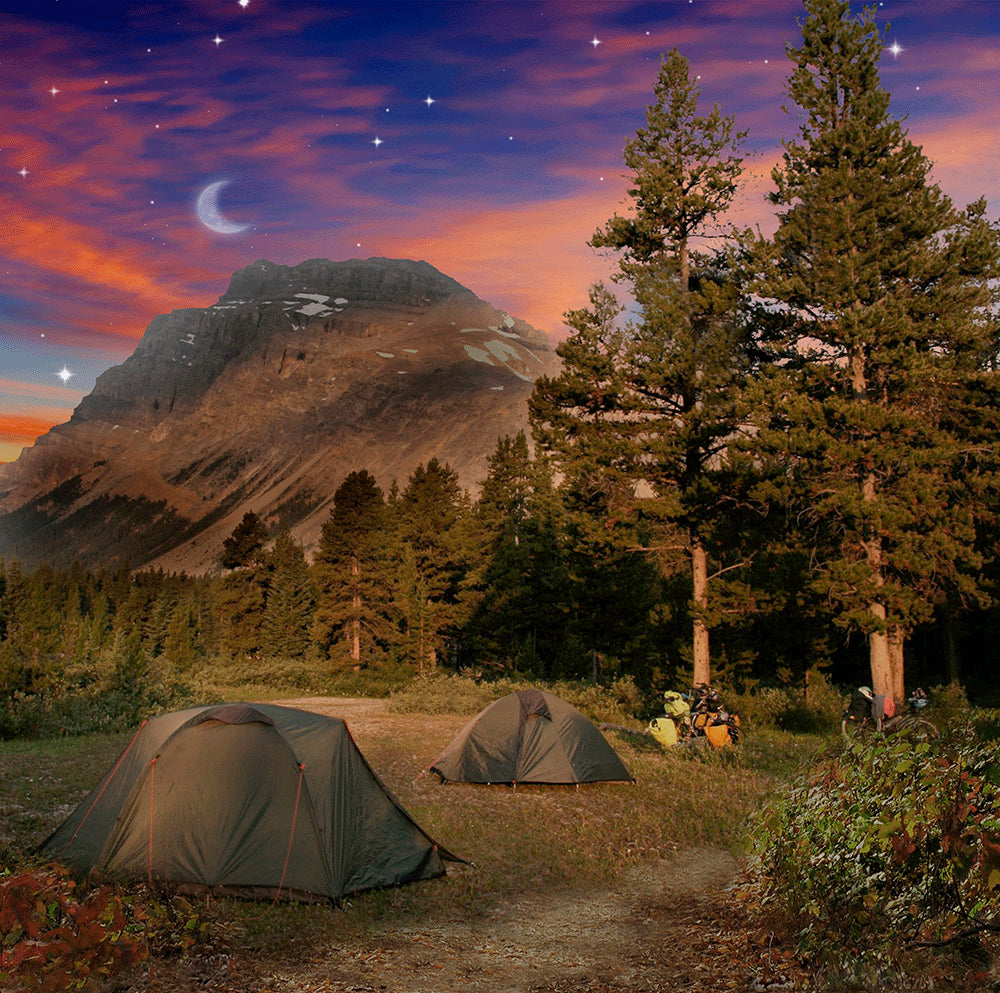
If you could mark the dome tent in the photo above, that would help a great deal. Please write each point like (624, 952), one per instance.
(530, 737)
(251, 799)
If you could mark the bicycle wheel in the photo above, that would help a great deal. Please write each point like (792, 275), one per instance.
(917, 728)
(855, 730)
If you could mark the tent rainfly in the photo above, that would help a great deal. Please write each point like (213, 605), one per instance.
(251, 799)
(530, 737)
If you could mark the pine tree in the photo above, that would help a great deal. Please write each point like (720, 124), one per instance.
(242, 593)
(516, 584)
(353, 574)
(655, 404)
(180, 639)
(880, 286)
(245, 545)
(430, 512)
(290, 600)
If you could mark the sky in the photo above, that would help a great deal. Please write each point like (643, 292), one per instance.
(482, 136)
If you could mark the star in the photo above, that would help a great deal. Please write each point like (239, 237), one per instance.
(217, 40)
(54, 91)
(65, 375)
(22, 172)
(596, 42)
(378, 141)
(895, 48)
(429, 100)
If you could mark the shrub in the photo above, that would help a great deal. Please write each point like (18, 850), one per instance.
(92, 710)
(788, 708)
(268, 676)
(948, 703)
(888, 847)
(58, 933)
(51, 940)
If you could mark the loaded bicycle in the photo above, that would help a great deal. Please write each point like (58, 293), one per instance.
(870, 713)
(697, 715)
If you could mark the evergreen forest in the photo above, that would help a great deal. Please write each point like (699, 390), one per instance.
(765, 455)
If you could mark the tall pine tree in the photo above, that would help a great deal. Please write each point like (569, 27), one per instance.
(655, 405)
(430, 512)
(879, 286)
(290, 600)
(353, 574)
(516, 585)
(242, 590)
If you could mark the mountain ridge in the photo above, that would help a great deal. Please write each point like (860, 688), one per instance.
(264, 401)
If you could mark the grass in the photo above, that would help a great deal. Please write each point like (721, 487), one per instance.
(518, 840)
(42, 781)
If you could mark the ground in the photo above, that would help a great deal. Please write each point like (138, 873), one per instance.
(666, 924)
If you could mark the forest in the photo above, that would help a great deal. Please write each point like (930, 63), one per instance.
(765, 455)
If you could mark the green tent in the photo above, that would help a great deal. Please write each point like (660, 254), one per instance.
(530, 737)
(252, 799)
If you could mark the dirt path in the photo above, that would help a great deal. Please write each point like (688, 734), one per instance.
(665, 925)
(626, 939)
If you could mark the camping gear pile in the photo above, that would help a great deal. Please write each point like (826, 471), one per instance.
(690, 717)
(880, 709)
(864, 704)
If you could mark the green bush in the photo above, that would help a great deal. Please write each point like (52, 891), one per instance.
(891, 846)
(788, 708)
(265, 676)
(93, 710)
(948, 704)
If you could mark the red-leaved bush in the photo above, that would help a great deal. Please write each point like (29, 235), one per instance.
(51, 941)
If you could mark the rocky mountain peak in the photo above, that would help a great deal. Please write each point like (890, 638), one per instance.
(386, 281)
(265, 401)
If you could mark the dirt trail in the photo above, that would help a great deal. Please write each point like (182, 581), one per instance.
(646, 934)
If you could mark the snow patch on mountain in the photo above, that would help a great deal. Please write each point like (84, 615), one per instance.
(479, 354)
(314, 310)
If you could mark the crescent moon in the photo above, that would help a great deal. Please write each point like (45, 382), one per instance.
(209, 214)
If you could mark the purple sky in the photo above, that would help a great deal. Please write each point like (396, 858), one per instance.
(499, 127)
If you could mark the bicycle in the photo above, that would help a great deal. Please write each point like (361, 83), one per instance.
(856, 724)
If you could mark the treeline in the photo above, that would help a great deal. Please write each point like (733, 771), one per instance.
(526, 579)
(403, 582)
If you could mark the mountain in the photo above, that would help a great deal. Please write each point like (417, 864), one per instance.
(265, 401)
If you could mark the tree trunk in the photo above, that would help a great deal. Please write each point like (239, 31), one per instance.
(356, 620)
(897, 641)
(879, 653)
(699, 573)
(878, 656)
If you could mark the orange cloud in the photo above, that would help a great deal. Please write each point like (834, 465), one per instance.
(535, 257)
(23, 429)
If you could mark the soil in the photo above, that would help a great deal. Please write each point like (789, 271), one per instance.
(665, 925)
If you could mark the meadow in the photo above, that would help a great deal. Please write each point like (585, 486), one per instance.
(624, 887)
